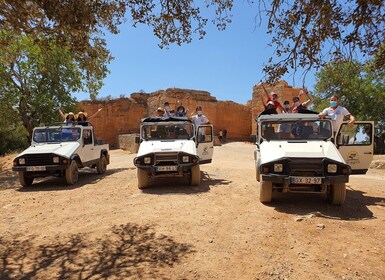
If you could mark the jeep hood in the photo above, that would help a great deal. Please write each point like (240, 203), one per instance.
(274, 150)
(65, 149)
(187, 146)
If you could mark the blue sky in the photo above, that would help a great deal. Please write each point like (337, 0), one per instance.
(225, 63)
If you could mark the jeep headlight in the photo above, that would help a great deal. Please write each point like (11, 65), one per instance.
(21, 161)
(147, 160)
(278, 167)
(332, 168)
(56, 159)
(185, 159)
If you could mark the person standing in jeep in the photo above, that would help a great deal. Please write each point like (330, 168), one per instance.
(199, 118)
(337, 113)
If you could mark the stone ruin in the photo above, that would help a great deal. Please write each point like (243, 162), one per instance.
(122, 116)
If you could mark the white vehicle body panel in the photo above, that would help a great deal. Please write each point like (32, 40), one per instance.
(187, 146)
(274, 150)
(65, 149)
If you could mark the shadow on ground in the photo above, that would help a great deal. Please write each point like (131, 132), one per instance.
(86, 176)
(354, 208)
(181, 186)
(128, 251)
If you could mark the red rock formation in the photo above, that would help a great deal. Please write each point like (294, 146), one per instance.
(122, 116)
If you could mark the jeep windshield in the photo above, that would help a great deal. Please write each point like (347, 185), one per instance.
(56, 135)
(296, 129)
(167, 131)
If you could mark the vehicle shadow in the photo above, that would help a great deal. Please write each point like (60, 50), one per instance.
(87, 176)
(354, 208)
(181, 186)
(128, 251)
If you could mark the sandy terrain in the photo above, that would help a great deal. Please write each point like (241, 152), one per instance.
(106, 228)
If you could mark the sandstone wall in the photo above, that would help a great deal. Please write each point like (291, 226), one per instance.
(123, 115)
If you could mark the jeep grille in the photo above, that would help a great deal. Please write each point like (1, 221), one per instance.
(166, 159)
(38, 159)
(306, 167)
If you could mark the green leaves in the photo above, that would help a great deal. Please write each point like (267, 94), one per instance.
(361, 90)
(37, 77)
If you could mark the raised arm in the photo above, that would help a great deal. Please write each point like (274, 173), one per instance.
(97, 112)
(62, 114)
(310, 99)
(264, 89)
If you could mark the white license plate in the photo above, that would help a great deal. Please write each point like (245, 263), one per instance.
(36, 168)
(305, 180)
(167, 168)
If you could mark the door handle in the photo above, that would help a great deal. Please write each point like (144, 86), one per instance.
(367, 153)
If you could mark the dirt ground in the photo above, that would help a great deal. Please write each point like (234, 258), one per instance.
(104, 227)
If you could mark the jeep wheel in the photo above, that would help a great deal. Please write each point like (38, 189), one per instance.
(101, 166)
(25, 181)
(143, 179)
(195, 178)
(265, 190)
(337, 193)
(72, 173)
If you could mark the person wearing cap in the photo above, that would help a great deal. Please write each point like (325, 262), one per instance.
(82, 116)
(160, 112)
(302, 107)
(269, 109)
(68, 118)
(274, 99)
(180, 111)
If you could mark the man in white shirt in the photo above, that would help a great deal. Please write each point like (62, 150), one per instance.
(199, 118)
(337, 113)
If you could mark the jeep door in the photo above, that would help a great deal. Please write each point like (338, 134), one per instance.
(205, 143)
(355, 144)
(87, 152)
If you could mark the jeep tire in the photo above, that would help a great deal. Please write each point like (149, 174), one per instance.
(101, 166)
(25, 180)
(72, 173)
(337, 193)
(195, 178)
(143, 179)
(265, 190)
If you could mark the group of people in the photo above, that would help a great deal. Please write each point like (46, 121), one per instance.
(335, 112)
(198, 119)
(79, 117)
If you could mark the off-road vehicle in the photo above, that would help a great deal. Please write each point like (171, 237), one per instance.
(299, 153)
(172, 147)
(60, 150)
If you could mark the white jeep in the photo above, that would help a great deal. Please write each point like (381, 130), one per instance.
(298, 153)
(172, 147)
(60, 151)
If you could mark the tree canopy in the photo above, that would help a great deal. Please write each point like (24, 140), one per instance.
(35, 81)
(304, 34)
